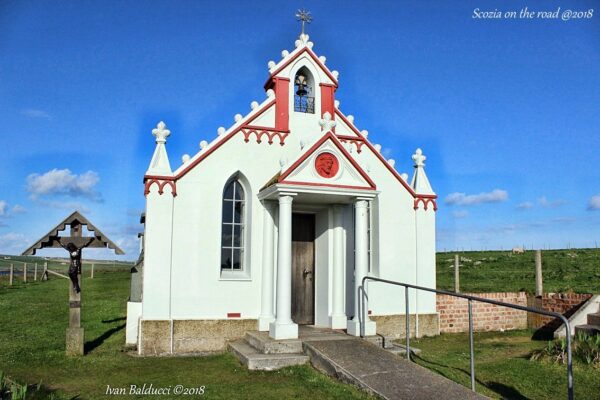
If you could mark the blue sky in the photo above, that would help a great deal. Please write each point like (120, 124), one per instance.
(506, 111)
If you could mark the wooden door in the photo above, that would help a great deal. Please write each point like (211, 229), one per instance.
(303, 269)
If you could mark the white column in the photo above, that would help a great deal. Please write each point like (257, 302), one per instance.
(283, 327)
(266, 310)
(361, 265)
(338, 319)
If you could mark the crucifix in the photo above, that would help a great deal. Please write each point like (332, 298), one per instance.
(74, 244)
(303, 16)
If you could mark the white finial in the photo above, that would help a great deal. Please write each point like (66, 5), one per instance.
(237, 117)
(336, 104)
(254, 104)
(220, 131)
(323, 59)
(365, 133)
(310, 45)
(327, 123)
(270, 93)
(350, 118)
(392, 162)
(185, 158)
(203, 144)
(404, 176)
(271, 64)
(419, 158)
(284, 53)
(298, 43)
(335, 74)
(161, 132)
(378, 148)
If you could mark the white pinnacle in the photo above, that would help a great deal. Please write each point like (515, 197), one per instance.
(419, 182)
(327, 124)
(419, 158)
(161, 132)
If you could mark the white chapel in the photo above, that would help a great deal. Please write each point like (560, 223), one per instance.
(274, 223)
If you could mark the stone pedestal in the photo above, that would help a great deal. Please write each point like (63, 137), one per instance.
(75, 340)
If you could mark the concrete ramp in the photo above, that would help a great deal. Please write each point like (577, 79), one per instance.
(381, 373)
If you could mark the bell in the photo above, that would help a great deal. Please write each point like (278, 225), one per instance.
(302, 85)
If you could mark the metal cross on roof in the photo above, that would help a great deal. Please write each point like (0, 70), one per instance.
(304, 16)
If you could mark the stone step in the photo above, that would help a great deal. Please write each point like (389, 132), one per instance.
(593, 319)
(254, 360)
(267, 345)
(590, 330)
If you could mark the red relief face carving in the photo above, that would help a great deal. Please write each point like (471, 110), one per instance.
(327, 165)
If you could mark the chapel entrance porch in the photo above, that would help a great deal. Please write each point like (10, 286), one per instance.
(310, 224)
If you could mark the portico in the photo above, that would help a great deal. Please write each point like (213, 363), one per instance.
(332, 204)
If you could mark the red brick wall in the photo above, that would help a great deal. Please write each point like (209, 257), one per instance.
(454, 313)
(563, 303)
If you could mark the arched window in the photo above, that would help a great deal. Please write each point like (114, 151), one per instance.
(304, 98)
(232, 227)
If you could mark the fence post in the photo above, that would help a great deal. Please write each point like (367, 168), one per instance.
(456, 273)
(92, 276)
(10, 279)
(35, 272)
(471, 346)
(539, 290)
(407, 318)
(25, 272)
(45, 274)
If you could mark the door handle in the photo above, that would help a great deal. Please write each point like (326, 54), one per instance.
(306, 272)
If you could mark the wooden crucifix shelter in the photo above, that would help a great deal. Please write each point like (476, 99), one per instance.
(74, 243)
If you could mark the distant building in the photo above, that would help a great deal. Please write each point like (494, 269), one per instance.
(275, 222)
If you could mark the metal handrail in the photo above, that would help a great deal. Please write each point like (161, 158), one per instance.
(470, 300)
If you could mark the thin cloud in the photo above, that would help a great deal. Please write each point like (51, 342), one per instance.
(18, 209)
(462, 199)
(13, 243)
(526, 205)
(64, 205)
(460, 214)
(544, 202)
(64, 182)
(35, 113)
(594, 203)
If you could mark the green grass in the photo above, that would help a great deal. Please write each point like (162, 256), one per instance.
(32, 334)
(576, 270)
(503, 369)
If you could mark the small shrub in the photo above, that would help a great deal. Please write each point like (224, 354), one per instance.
(584, 348)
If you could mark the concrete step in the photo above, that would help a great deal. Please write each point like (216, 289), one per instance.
(267, 345)
(593, 319)
(400, 350)
(590, 330)
(254, 360)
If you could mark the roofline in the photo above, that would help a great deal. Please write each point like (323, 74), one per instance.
(269, 82)
(340, 147)
(382, 159)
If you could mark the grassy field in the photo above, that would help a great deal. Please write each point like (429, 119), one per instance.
(576, 270)
(34, 318)
(502, 366)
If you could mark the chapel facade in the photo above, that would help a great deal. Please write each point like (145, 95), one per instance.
(274, 223)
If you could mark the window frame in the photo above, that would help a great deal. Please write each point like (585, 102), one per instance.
(242, 223)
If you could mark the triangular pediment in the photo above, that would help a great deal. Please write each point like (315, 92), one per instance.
(327, 163)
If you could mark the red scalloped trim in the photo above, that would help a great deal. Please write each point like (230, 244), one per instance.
(161, 181)
(425, 200)
(260, 131)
